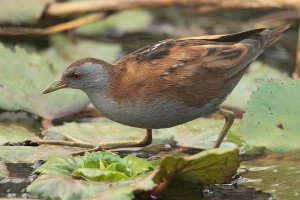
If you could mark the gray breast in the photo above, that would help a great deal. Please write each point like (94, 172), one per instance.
(160, 113)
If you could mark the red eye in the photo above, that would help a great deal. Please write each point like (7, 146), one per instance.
(76, 75)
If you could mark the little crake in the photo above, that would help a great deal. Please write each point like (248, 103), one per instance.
(170, 82)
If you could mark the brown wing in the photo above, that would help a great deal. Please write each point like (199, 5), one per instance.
(190, 70)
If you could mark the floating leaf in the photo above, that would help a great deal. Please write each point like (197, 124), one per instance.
(208, 167)
(128, 21)
(212, 166)
(97, 166)
(136, 165)
(199, 133)
(60, 165)
(257, 71)
(63, 187)
(101, 131)
(125, 190)
(203, 132)
(280, 177)
(14, 133)
(27, 154)
(63, 51)
(94, 174)
(272, 116)
(11, 12)
(23, 90)
(3, 170)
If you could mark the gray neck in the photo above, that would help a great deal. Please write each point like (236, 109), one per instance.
(99, 98)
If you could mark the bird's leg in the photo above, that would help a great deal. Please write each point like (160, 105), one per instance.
(146, 141)
(114, 145)
(229, 118)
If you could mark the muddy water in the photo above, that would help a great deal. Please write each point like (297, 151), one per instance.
(21, 175)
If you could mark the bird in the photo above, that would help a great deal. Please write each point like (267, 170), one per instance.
(170, 82)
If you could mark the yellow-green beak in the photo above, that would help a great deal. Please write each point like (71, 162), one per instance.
(55, 86)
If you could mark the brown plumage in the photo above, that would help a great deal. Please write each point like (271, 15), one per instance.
(192, 70)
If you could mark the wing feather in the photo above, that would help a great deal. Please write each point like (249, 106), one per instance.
(191, 70)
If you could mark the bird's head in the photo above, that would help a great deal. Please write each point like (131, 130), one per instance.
(83, 74)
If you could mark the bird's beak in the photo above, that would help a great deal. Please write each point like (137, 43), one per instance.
(55, 86)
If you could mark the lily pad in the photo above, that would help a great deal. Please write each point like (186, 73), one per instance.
(272, 116)
(27, 154)
(128, 21)
(97, 166)
(126, 190)
(22, 90)
(280, 177)
(249, 82)
(208, 167)
(203, 132)
(200, 133)
(63, 51)
(14, 133)
(101, 131)
(11, 12)
(63, 187)
(60, 165)
(3, 170)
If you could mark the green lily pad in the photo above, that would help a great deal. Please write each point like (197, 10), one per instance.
(128, 21)
(3, 170)
(272, 116)
(101, 131)
(63, 51)
(203, 132)
(27, 154)
(121, 177)
(280, 177)
(60, 165)
(200, 133)
(211, 166)
(207, 167)
(96, 159)
(249, 82)
(136, 165)
(126, 190)
(23, 90)
(99, 175)
(14, 133)
(97, 166)
(64, 187)
(11, 12)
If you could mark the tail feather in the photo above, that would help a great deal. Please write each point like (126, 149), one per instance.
(257, 43)
(276, 34)
(264, 39)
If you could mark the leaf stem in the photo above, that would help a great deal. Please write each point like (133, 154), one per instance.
(160, 188)
(65, 143)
